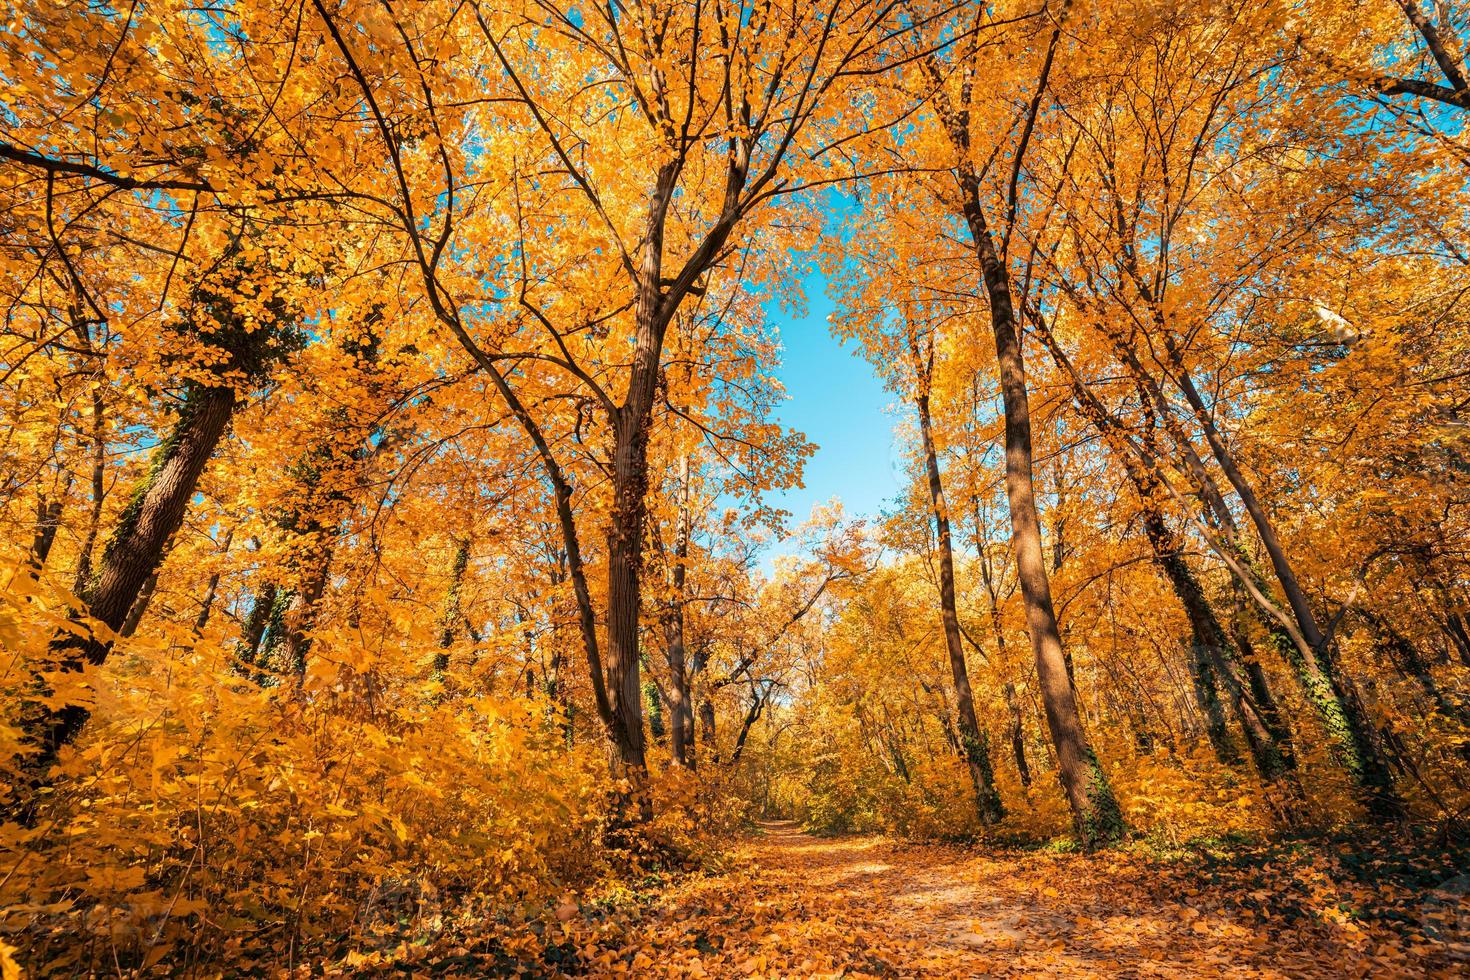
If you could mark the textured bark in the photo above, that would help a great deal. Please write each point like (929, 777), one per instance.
(624, 719)
(681, 712)
(266, 661)
(206, 605)
(140, 605)
(452, 613)
(707, 728)
(558, 696)
(1013, 705)
(974, 739)
(700, 736)
(623, 716)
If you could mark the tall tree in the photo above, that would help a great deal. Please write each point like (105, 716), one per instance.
(954, 97)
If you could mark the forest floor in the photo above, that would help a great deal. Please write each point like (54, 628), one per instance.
(797, 905)
(785, 903)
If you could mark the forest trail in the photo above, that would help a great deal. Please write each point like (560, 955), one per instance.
(797, 905)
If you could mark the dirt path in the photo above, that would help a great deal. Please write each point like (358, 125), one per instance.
(803, 906)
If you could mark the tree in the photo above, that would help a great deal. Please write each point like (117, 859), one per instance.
(728, 137)
(239, 327)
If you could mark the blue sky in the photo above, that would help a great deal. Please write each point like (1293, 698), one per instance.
(834, 397)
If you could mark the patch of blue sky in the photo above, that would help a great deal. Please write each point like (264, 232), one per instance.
(835, 399)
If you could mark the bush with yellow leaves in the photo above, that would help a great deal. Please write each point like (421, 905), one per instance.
(1178, 796)
(205, 817)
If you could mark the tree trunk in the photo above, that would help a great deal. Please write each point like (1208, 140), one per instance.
(974, 739)
(707, 728)
(657, 729)
(753, 714)
(1095, 811)
(1212, 652)
(698, 659)
(206, 605)
(1018, 735)
(99, 493)
(1261, 695)
(558, 694)
(1312, 664)
(1207, 639)
(275, 631)
(301, 615)
(140, 606)
(255, 625)
(48, 519)
(681, 713)
(1404, 656)
(997, 632)
(135, 550)
(631, 424)
(145, 595)
(1454, 627)
(624, 546)
(1206, 633)
(452, 613)
(316, 522)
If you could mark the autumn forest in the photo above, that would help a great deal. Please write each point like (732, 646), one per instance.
(396, 576)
